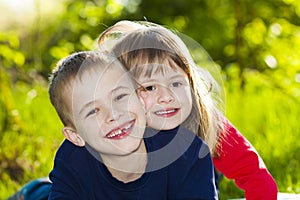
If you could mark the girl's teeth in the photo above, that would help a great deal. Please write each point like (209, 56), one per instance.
(165, 112)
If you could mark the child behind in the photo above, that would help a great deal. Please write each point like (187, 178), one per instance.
(161, 63)
(104, 155)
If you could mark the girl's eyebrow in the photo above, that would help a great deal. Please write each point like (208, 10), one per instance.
(177, 76)
(155, 80)
(148, 80)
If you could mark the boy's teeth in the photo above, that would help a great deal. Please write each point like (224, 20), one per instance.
(127, 127)
(119, 131)
(113, 134)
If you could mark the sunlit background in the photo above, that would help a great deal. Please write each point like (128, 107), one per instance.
(21, 13)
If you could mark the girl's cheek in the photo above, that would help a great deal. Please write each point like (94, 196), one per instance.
(147, 100)
(142, 94)
(144, 97)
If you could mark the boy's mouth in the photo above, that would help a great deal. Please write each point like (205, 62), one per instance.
(169, 112)
(121, 131)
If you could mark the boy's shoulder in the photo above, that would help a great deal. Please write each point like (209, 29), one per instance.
(76, 161)
(70, 153)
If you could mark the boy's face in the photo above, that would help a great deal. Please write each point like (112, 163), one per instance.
(167, 97)
(107, 112)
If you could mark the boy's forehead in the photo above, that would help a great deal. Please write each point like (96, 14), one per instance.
(112, 74)
(101, 82)
(98, 69)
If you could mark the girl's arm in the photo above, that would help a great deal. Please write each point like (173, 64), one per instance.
(238, 160)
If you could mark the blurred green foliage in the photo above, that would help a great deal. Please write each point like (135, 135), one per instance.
(255, 43)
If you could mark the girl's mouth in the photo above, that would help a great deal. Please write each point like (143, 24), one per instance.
(121, 131)
(169, 112)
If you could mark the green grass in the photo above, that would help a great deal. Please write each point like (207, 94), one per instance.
(30, 139)
(267, 117)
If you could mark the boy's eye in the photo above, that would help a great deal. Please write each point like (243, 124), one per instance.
(150, 88)
(120, 97)
(176, 84)
(94, 111)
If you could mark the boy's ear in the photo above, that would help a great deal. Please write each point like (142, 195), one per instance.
(73, 136)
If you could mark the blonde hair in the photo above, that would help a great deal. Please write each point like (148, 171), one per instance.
(117, 30)
(110, 36)
(154, 44)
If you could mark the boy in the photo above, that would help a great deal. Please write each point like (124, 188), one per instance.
(104, 155)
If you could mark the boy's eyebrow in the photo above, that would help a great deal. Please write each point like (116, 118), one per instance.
(85, 106)
(119, 88)
(93, 101)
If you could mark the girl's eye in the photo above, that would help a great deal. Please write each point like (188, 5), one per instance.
(150, 88)
(120, 97)
(94, 111)
(176, 84)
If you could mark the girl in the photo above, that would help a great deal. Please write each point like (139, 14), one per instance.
(175, 92)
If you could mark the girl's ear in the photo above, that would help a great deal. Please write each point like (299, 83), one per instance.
(73, 136)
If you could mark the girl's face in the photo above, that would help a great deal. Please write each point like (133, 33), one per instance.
(166, 94)
(108, 114)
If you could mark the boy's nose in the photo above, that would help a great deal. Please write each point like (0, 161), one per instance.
(113, 114)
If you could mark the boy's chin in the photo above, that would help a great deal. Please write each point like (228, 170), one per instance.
(133, 148)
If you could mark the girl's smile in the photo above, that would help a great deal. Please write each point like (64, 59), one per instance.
(168, 112)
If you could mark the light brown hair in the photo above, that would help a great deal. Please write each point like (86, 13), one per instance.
(155, 44)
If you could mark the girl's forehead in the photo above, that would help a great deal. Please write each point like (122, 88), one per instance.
(146, 68)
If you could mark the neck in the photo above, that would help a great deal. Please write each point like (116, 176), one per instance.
(128, 167)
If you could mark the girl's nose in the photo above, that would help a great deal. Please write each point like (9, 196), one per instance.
(165, 95)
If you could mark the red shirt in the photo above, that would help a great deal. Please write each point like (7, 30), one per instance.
(240, 161)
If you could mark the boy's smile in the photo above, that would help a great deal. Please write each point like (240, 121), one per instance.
(107, 112)
(121, 131)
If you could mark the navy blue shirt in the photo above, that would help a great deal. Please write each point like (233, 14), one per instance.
(179, 167)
